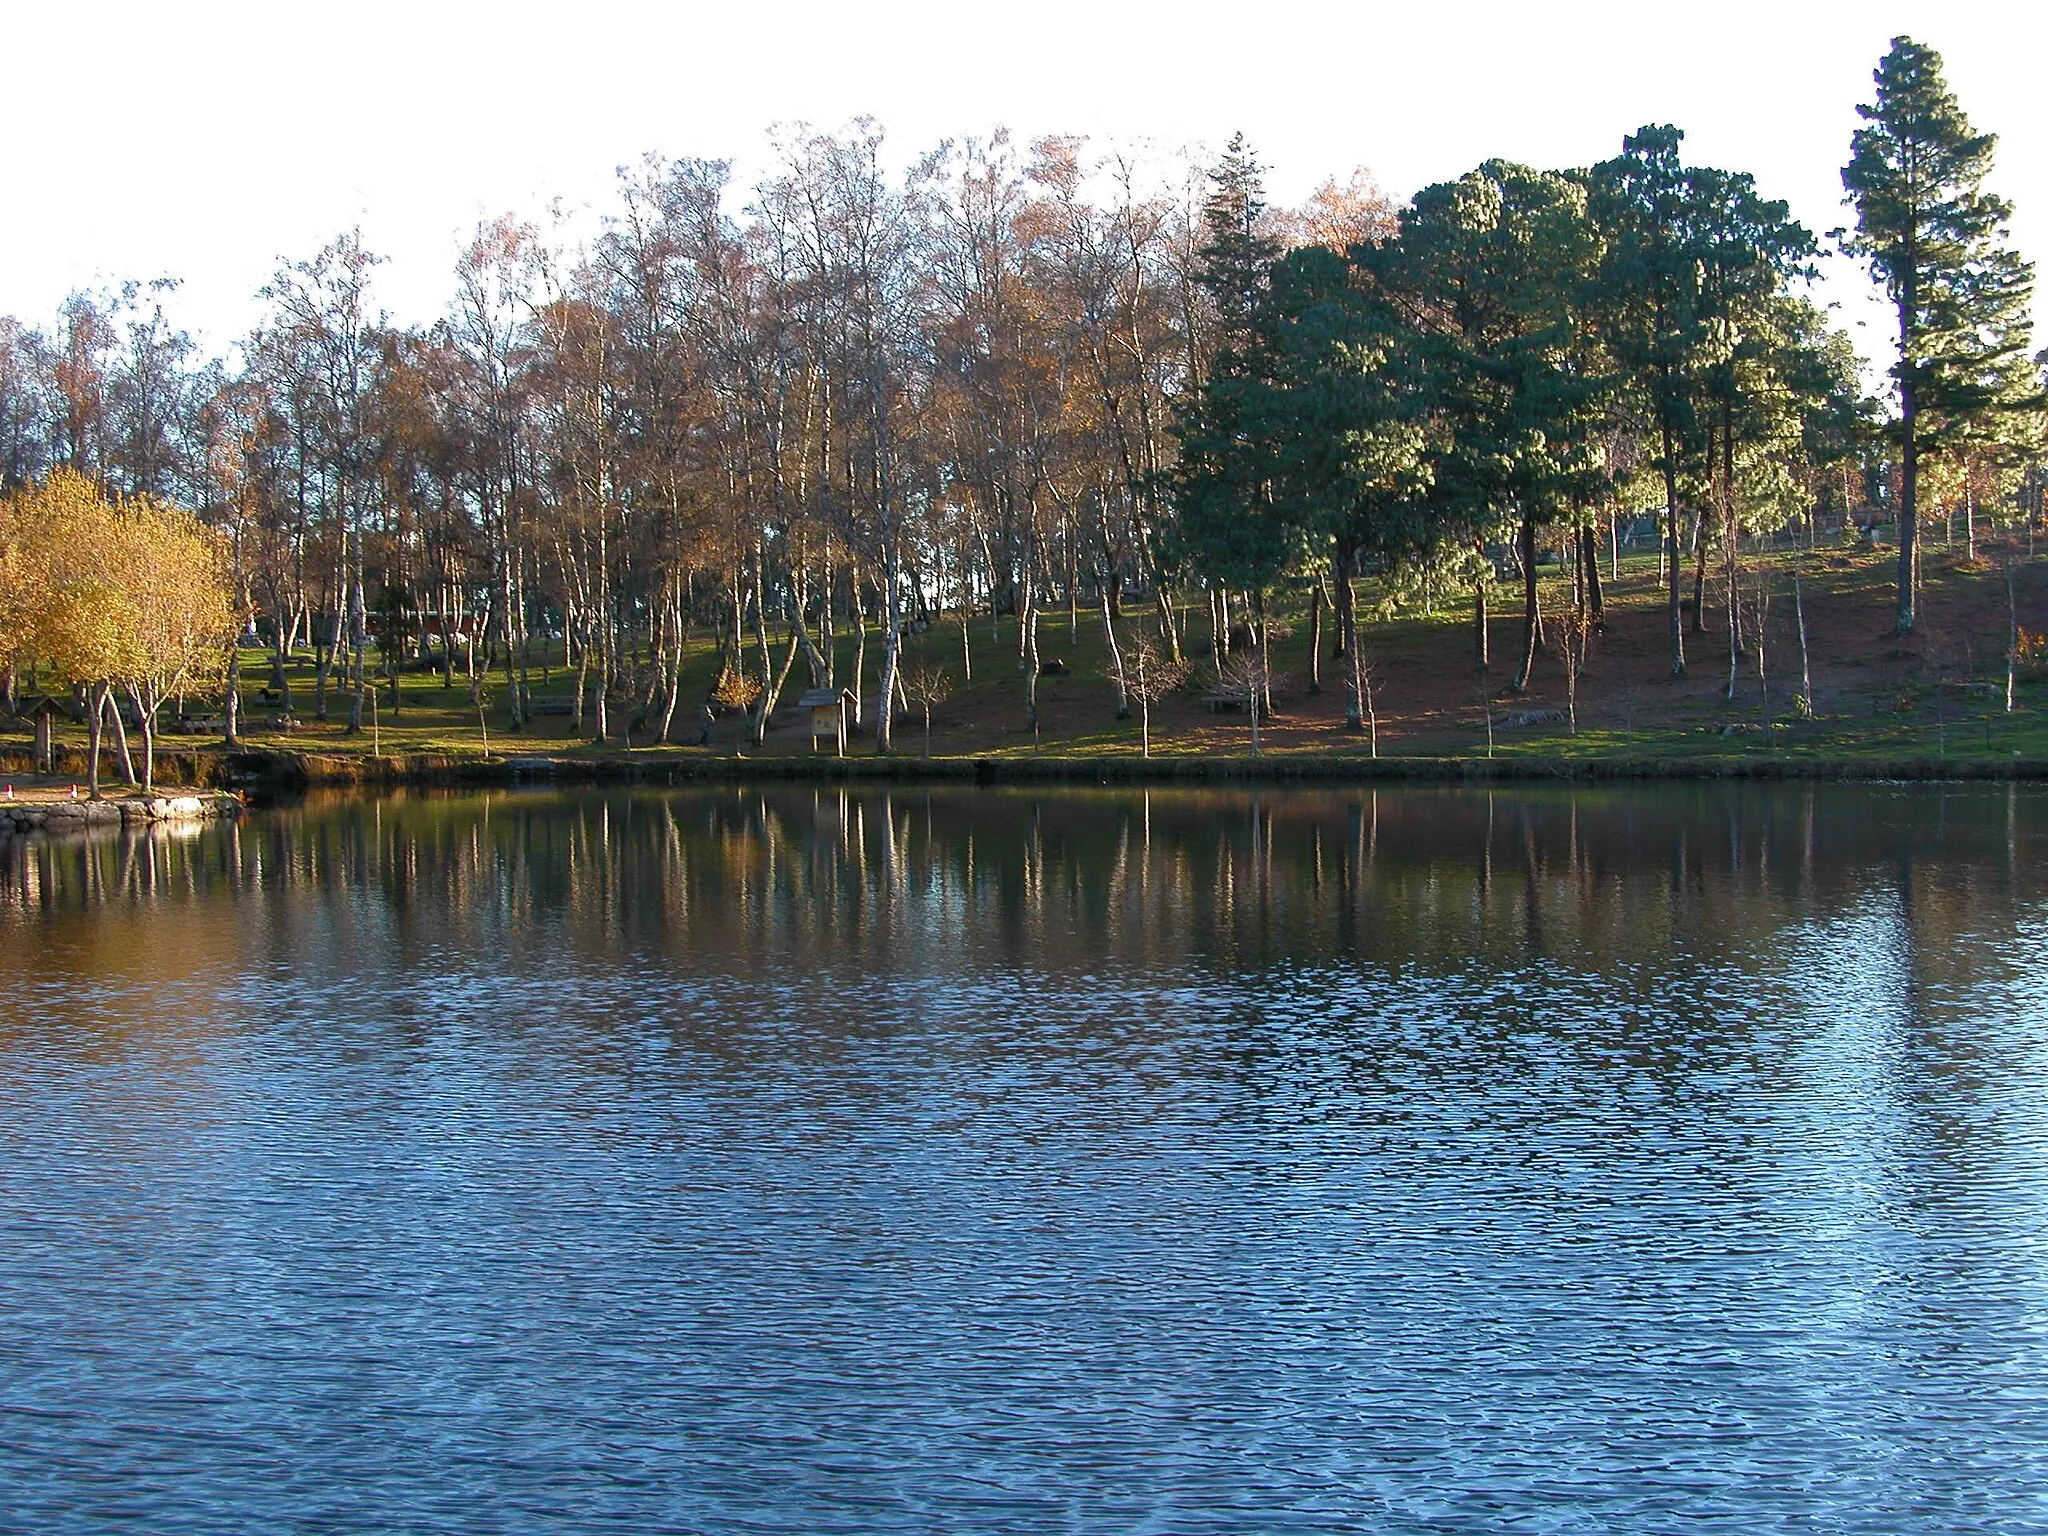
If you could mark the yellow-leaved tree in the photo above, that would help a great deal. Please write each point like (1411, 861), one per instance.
(173, 572)
(13, 638)
(65, 610)
(133, 596)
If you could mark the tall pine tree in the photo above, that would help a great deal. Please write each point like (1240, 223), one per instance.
(1937, 241)
(1221, 483)
(1491, 268)
(1651, 309)
(1237, 252)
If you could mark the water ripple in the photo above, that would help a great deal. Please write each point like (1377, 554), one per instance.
(1099, 1163)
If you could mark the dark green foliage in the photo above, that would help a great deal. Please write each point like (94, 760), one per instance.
(1310, 441)
(1491, 270)
(1347, 396)
(1651, 313)
(1937, 242)
(1693, 302)
(1526, 342)
(1237, 253)
(1220, 486)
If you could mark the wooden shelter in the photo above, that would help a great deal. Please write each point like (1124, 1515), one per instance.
(825, 710)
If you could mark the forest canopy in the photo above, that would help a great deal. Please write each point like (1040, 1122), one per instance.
(1017, 375)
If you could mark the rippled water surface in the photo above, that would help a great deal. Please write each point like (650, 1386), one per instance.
(996, 1162)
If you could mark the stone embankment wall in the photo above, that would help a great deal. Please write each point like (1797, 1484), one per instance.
(137, 811)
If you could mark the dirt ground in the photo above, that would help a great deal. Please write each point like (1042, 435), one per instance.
(1872, 692)
(37, 788)
(1431, 699)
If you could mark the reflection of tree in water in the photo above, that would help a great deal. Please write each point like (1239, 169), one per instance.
(1614, 879)
(1708, 988)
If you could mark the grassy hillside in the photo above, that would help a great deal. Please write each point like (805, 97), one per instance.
(1938, 694)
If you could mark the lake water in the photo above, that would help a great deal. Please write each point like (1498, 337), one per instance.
(994, 1161)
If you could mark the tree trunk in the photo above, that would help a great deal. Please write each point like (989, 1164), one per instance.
(1532, 618)
(1699, 574)
(1734, 644)
(1671, 525)
(96, 710)
(1347, 626)
(1805, 671)
(1589, 567)
(325, 657)
(1315, 638)
(771, 691)
(358, 638)
(860, 649)
(892, 651)
(282, 638)
(763, 701)
(1260, 644)
(580, 644)
(1169, 631)
(1073, 579)
(828, 638)
(148, 718)
(508, 626)
(121, 741)
(707, 719)
(1116, 658)
(1027, 632)
(1909, 509)
(2012, 635)
(1731, 530)
(675, 678)
(1482, 625)
(232, 716)
(449, 622)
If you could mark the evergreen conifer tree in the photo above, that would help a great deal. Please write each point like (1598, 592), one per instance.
(1651, 311)
(1937, 242)
(1237, 253)
(1221, 483)
(1492, 267)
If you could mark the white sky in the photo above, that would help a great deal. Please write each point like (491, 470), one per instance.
(206, 141)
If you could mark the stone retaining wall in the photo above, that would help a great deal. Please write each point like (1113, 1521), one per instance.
(19, 816)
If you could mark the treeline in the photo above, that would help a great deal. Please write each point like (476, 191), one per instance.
(847, 402)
